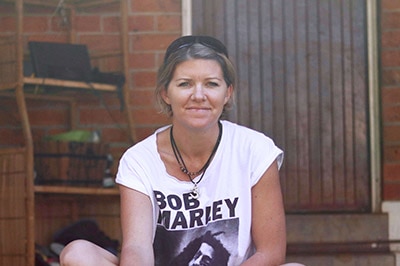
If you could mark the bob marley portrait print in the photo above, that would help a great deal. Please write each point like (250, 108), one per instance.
(206, 236)
(204, 246)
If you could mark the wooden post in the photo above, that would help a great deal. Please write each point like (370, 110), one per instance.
(125, 61)
(30, 205)
(72, 25)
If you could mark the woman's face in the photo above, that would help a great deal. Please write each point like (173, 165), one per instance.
(197, 93)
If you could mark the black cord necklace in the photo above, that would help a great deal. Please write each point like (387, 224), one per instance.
(194, 193)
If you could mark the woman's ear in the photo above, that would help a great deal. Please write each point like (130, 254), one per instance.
(229, 93)
(164, 95)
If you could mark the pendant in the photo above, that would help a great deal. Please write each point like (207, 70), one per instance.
(195, 193)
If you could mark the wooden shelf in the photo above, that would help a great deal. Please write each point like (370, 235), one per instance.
(70, 84)
(76, 190)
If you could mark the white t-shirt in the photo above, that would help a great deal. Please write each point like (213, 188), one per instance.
(221, 215)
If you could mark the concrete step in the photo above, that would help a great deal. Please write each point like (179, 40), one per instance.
(317, 228)
(339, 239)
(344, 259)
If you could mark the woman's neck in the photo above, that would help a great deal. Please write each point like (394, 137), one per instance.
(195, 143)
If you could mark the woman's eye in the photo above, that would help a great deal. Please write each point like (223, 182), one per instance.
(183, 84)
(212, 84)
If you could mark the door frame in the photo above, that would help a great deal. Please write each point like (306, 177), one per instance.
(374, 106)
(374, 118)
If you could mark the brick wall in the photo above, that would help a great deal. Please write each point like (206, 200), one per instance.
(152, 25)
(390, 93)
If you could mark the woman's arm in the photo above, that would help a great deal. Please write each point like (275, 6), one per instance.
(137, 228)
(268, 220)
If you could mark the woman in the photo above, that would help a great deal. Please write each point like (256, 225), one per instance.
(199, 176)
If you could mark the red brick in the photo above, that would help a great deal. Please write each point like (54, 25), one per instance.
(111, 100)
(391, 191)
(391, 113)
(144, 132)
(39, 133)
(140, 23)
(391, 133)
(142, 61)
(39, 10)
(156, 6)
(104, 8)
(101, 42)
(101, 116)
(392, 154)
(107, 64)
(390, 77)
(87, 99)
(36, 24)
(8, 111)
(390, 39)
(391, 172)
(115, 135)
(88, 23)
(11, 137)
(171, 23)
(48, 117)
(49, 104)
(59, 24)
(152, 42)
(48, 38)
(145, 79)
(141, 98)
(8, 117)
(390, 58)
(98, 100)
(111, 24)
(390, 95)
(390, 20)
(148, 116)
(390, 4)
(7, 24)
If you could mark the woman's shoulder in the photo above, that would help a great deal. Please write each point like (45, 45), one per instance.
(248, 142)
(245, 139)
(240, 131)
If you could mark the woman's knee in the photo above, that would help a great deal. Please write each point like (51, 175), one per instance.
(85, 253)
(76, 252)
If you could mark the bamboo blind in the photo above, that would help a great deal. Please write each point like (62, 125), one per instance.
(13, 208)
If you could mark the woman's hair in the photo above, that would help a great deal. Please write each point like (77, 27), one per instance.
(193, 47)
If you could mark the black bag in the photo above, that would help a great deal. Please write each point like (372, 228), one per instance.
(86, 229)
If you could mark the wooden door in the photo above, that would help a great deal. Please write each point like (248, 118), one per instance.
(302, 67)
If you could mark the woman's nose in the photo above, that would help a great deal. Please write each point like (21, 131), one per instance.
(198, 93)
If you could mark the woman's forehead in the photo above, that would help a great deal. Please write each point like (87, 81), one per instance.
(198, 67)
